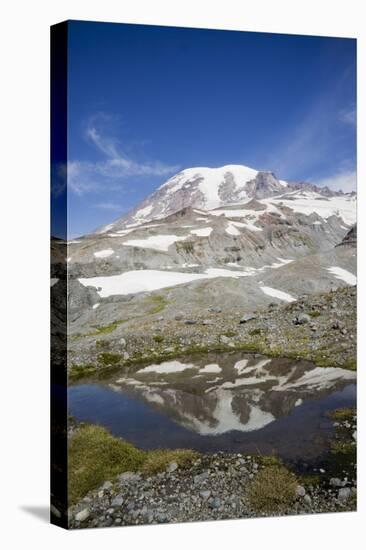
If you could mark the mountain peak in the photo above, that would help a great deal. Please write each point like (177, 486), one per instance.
(206, 188)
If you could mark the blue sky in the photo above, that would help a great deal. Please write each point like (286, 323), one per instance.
(145, 102)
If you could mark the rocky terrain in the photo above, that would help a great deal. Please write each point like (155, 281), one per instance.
(320, 328)
(216, 260)
(222, 486)
(142, 277)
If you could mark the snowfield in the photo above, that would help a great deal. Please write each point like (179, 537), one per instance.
(343, 275)
(104, 253)
(204, 232)
(144, 280)
(155, 242)
(277, 294)
(211, 179)
(306, 202)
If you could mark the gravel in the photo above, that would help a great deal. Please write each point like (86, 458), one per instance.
(214, 487)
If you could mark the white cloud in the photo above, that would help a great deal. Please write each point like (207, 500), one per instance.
(106, 174)
(345, 181)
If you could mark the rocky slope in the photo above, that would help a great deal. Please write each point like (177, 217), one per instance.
(317, 327)
(240, 259)
(223, 486)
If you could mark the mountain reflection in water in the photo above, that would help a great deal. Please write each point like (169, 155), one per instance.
(216, 397)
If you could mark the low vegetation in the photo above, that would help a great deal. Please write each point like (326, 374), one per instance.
(96, 456)
(342, 415)
(273, 490)
(108, 358)
(106, 329)
(158, 460)
(157, 302)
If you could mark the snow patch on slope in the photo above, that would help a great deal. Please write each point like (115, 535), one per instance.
(277, 294)
(343, 275)
(155, 242)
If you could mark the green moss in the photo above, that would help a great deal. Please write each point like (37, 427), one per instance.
(80, 371)
(347, 448)
(314, 313)
(158, 303)
(108, 358)
(273, 490)
(106, 329)
(310, 480)
(350, 364)
(158, 338)
(95, 456)
(268, 460)
(255, 332)
(229, 334)
(102, 344)
(158, 460)
(342, 415)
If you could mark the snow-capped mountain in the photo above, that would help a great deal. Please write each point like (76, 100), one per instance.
(207, 189)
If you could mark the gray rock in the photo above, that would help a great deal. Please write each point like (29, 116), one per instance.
(215, 309)
(107, 485)
(161, 517)
(178, 317)
(128, 476)
(205, 494)
(300, 491)
(344, 493)
(207, 322)
(122, 342)
(172, 467)
(190, 322)
(215, 503)
(246, 319)
(307, 499)
(302, 319)
(335, 482)
(82, 515)
(117, 502)
(199, 478)
(224, 339)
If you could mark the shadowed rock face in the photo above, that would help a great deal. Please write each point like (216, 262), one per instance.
(351, 237)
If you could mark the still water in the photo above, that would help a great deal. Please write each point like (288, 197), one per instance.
(220, 402)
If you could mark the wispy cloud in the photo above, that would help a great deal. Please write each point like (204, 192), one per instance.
(348, 116)
(115, 165)
(345, 181)
(318, 137)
